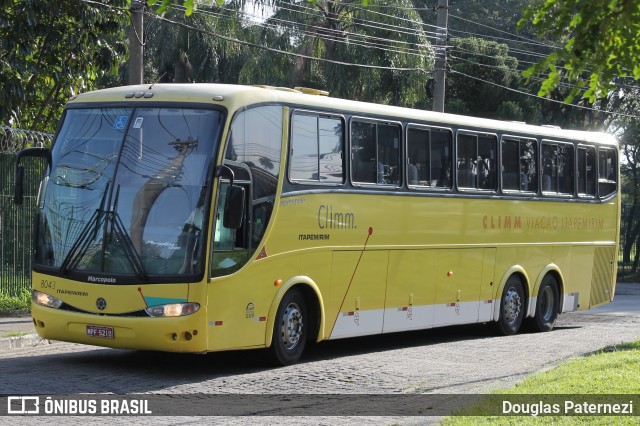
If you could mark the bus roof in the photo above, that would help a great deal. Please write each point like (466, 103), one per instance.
(237, 96)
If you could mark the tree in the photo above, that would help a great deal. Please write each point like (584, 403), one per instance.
(185, 49)
(630, 232)
(491, 65)
(601, 43)
(378, 54)
(463, 14)
(189, 5)
(50, 50)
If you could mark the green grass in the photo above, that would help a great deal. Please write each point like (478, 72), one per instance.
(19, 304)
(15, 334)
(612, 371)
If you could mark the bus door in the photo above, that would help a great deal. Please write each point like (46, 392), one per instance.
(458, 286)
(409, 302)
(358, 285)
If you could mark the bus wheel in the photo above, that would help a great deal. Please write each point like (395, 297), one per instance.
(290, 329)
(512, 306)
(546, 306)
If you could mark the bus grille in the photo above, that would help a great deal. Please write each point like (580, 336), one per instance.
(601, 280)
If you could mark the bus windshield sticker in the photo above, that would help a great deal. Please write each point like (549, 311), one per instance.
(121, 122)
(138, 123)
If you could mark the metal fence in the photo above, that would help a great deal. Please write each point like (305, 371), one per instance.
(16, 222)
(629, 268)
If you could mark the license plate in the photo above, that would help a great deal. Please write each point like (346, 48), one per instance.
(99, 331)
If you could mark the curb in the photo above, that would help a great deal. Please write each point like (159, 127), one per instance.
(627, 289)
(26, 341)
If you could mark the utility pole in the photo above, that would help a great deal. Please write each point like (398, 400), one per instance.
(136, 45)
(439, 73)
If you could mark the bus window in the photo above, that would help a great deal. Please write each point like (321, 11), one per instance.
(476, 161)
(419, 161)
(304, 148)
(519, 164)
(253, 152)
(429, 162)
(316, 149)
(256, 139)
(375, 153)
(557, 168)
(330, 147)
(586, 171)
(441, 149)
(607, 172)
(229, 245)
(487, 146)
(363, 152)
(467, 161)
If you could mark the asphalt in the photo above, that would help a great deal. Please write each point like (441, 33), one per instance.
(19, 332)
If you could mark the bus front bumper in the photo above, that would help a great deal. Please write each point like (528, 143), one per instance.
(179, 334)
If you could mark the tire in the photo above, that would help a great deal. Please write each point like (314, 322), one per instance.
(290, 329)
(512, 307)
(547, 305)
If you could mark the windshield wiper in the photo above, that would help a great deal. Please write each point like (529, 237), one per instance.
(83, 242)
(118, 228)
(103, 218)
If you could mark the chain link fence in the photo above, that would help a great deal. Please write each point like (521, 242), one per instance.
(17, 222)
(629, 260)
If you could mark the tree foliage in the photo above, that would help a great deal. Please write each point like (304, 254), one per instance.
(189, 5)
(50, 50)
(181, 53)
(488, 61)
(600, 43)
(378, 54)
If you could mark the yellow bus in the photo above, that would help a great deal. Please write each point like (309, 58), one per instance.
(206, 217)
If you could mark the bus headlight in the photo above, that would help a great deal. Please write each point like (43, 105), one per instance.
(44, 299)
(173, 310)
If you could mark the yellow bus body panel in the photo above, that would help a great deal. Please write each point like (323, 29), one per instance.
(175, 334)
(378, 261)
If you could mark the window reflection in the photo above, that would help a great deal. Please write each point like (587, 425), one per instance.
(155, 194)
(557, 168)
(375, 153)
(519, 164)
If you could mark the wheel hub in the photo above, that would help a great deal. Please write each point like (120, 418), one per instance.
(512, 306)
(291, 326)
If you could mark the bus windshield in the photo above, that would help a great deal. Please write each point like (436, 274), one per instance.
(126, 192)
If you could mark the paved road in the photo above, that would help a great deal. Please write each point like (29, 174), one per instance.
(453, 360)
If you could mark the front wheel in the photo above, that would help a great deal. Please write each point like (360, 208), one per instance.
(547, 305)
(290, 329)
(512, 307)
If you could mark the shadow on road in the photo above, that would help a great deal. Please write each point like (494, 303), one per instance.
(100, 370)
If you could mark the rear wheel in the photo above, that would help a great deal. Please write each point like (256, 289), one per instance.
(512, 307)
(547, 304)
(290, 329)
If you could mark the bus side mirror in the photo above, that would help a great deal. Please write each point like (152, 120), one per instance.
(40, 152)
(234, 207)
(18, 197)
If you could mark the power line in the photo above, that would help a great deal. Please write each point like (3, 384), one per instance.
(546, 99)
(514, 71)
(344, 37)
(511, 49)
(272, 49)
(527, 39)
(371, 11)
(314, 13)
(267, 48)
